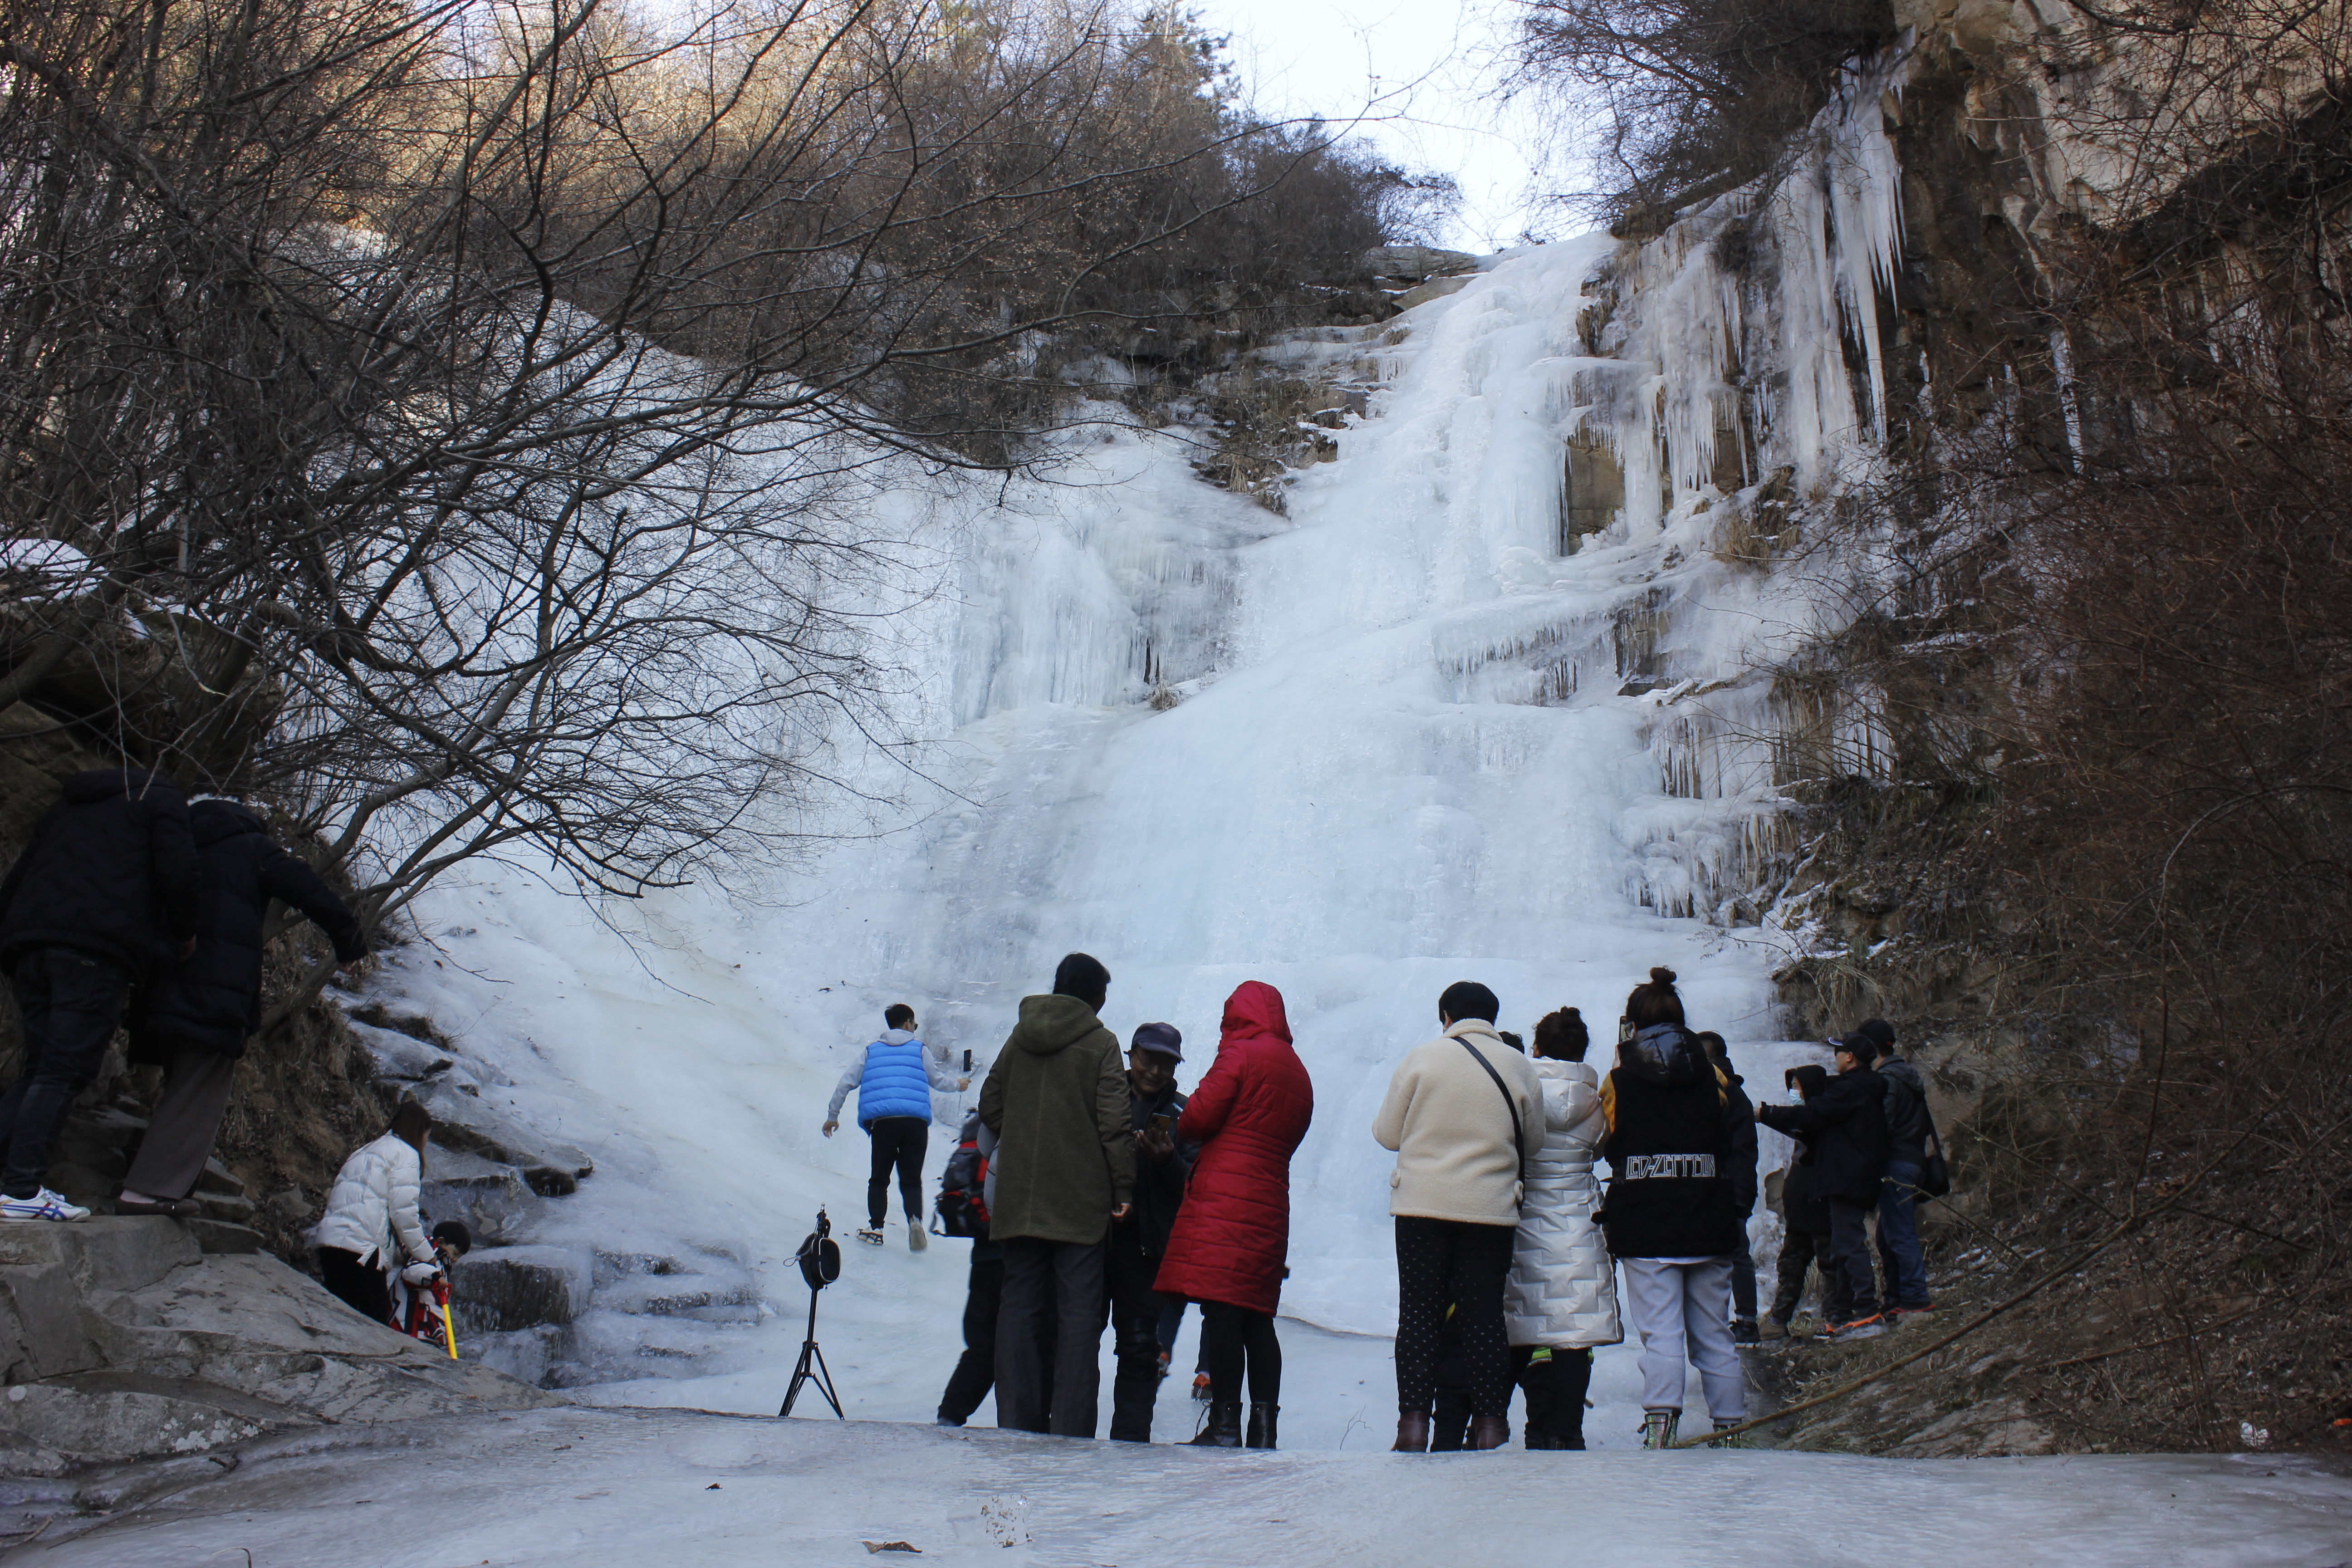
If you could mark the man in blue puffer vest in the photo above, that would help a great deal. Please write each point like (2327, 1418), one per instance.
(894, 1081)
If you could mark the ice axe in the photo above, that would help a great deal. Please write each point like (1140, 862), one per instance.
(448, 1322)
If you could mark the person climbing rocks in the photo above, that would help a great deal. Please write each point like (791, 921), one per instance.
(1743, 1178)
(196, 1017)
(1560, 1300)
(1139, 1242)
(894, 1079)
(105, 891)
(1844, 1125)
(1465, 1116)
(1058, 1099)
(1232, 1238)
(1909, 1129)
(1804, 1214)
(371, 1227)
(1671, 1209)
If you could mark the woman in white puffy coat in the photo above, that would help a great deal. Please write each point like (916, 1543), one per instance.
(372, 1225)
(1561, 1300)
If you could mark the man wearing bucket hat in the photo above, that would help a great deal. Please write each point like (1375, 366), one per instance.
(1139, 1241)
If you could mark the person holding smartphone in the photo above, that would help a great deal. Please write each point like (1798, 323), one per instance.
(1139, 1241)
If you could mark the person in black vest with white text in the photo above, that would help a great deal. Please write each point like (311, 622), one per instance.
(1671, 1210)
(1845, 1126)
(894, 1081)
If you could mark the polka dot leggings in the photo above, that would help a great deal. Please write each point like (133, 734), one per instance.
(1444, 1263)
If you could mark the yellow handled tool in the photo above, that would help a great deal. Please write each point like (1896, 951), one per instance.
(448, 1320)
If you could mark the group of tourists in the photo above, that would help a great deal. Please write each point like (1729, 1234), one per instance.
(1096, 1196)
(133, 904)
(136, 906)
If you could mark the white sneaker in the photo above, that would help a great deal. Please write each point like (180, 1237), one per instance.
(915, 1240)
(45, 1205)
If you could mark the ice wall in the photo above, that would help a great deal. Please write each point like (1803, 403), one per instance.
(1421, 731)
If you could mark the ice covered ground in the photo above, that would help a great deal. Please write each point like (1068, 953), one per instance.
(619, 1488)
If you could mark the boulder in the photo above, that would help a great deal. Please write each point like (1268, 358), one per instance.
(400, 1057)
(102, 1417)
(140, 1336)
(499, 1288)
(1414, 263)
(470, 1123)
(490, 1198)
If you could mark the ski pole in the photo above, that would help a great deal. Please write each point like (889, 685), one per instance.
(448, 1320)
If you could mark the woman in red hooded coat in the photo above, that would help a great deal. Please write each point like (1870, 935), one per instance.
(1231, 1237)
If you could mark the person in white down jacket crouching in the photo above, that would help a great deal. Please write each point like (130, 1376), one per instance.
(372, 1225)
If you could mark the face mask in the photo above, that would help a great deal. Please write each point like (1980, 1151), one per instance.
(1796, 1095)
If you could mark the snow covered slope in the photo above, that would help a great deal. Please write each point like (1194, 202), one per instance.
(1415, 743)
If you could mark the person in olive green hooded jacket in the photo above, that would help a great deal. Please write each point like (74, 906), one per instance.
(1056, 1098)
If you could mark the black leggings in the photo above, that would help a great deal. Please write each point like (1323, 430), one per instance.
(1444, 1263)
(1230, 1335)
(361, 1287)
(899, 1140)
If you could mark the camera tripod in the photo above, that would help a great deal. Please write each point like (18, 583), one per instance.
(820, 1261)
(811, 1369)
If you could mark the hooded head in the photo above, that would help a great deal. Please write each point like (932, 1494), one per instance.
(1810, 1079)
(1256, 1008)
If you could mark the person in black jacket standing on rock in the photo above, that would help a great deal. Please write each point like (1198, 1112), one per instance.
(1672, 1212)
(1909, 1129)
(105, 889)
(1845, 1127)
(1139, 1241)
(195, 1019)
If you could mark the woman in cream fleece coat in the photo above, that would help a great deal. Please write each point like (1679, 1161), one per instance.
(1463, 1113)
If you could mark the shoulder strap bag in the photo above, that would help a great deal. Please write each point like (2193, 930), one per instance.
(1510, 1106)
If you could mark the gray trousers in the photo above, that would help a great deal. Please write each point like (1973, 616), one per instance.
(187, 1117)
(1683, 1310)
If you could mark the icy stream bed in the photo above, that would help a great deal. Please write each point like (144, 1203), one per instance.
(617, 1489)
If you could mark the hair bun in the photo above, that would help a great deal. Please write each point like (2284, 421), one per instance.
(1571, 1012)
(1662, 977)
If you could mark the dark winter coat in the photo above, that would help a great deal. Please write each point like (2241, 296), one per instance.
(1056, 1098)
(1233, 1235)
(1158, 1187)
(1803, 1205)
(1672, 1149)
(1741, 1111)
(1909, 1127)
(212, 998)
(109, 871)
(1846, 1125)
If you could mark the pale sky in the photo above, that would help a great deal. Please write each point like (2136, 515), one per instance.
(1423, 71)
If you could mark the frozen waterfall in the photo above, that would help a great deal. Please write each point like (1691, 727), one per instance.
(1428, 727)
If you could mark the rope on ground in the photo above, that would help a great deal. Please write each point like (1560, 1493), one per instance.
(2130, 1223)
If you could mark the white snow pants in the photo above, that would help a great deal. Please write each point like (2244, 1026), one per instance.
(1685, 1305)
